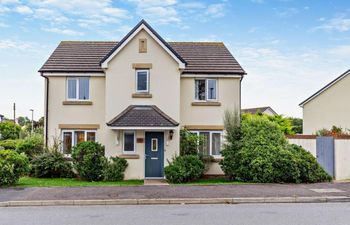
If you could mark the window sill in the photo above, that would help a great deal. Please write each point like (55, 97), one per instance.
(77, 102)
(129, 156)
(206, 103)
(141, 95)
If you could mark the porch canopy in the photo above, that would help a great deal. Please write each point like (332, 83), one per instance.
(142, 117)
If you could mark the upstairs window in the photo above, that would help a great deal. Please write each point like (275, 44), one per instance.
(78, 88)
(142, 81)
(206, 89)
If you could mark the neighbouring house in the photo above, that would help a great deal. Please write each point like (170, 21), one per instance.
(329, 106)
(135, 95)
(267, 110)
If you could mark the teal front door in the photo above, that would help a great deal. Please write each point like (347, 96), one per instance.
(154, 154)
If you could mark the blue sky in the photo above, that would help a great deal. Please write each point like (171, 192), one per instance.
(289, 48)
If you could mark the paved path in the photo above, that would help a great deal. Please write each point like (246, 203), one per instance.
(176, 191)
(272, 214)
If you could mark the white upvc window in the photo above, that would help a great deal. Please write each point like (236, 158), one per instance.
(78, 88)
(70, 138)
(212, 142)
(206, 89)
(129, 142)
(142, 81)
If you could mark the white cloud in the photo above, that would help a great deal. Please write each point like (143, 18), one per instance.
(3, 25)
(10, 44)
(341, 51)
(257, 1)
(4, 9)
(23, 9)
(340, 24)
(288, 12)
(9, 1)
(62, 31)
(216, 10)
(50, 15)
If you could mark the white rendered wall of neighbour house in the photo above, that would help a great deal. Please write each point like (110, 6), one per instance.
(165, 89)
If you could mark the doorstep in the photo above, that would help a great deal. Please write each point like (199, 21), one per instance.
(155, 182)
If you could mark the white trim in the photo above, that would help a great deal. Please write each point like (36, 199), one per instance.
(184, 75)
(142, 128)
(72, 131)
(77, 89)
(129, 152)
(136, 81)
(329, 85)
(72, 74)
(104, 65)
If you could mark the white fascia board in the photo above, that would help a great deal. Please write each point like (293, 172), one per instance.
(104, 65)
(72, 74)
(141, 128)
(212, 75)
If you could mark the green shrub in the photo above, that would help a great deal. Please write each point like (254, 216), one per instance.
(12, 167)
(9, 130)
(9, 144)
(114, 169)
(310, 170)
(31, 146)
(89, 160)
(51, 165)
(232, 145)
(184, 169)
(264, 156)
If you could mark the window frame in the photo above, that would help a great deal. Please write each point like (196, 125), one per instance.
(147, 83)
(206, 90)
(156, 150)
(211, 132)
(77, 89)
(72, 131)
(134, 133)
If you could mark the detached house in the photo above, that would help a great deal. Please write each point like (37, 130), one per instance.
(135, 95)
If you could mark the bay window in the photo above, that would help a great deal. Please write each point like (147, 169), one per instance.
(71, 138)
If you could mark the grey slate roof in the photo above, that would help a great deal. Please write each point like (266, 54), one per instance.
(142, 116)
(85, 56)
(255, 110)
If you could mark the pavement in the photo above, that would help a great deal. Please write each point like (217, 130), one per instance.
(176, 194)
(247, 214)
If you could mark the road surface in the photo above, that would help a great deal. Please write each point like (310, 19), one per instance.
(242, 214)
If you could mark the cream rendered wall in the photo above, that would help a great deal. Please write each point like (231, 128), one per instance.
(228, 96)
(307, 144)
(332, 107)
(342, 159)
(164, 87)
(75, 114)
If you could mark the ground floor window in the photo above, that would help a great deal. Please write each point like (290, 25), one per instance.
(71, 138)
(129, 142)
(212, 142)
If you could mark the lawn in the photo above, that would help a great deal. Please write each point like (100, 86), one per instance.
(71, 182)
(213, 181)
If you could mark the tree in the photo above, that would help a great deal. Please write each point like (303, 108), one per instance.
(297, 125)
(9, 130)
(24, 121)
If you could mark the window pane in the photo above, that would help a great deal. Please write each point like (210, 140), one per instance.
(90, 136)
(142, 81)
(211, 89)
(154, 144)
(67, 142)
(79, 136)
(83, 88)
(200, 89)
(72, 89)
(128, 141)
(216, 143)
(204, 148)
